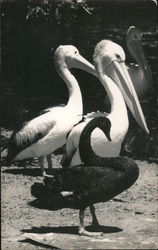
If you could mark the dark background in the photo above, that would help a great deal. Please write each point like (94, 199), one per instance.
(29, 81)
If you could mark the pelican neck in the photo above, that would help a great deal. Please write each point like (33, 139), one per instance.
(118, 106)
(75, 97)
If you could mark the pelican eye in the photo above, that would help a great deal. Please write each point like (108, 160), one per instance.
(75, 51)
(118, 56)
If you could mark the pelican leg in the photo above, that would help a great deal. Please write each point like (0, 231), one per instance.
(49, 160)
(81, 218)
(94, 217)
(82, 230)
(41, 164)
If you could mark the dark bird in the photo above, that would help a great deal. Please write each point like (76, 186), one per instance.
(85, 185)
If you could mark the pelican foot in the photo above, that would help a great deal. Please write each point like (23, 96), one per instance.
(83, 232)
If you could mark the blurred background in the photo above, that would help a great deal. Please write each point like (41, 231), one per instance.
(29, 81)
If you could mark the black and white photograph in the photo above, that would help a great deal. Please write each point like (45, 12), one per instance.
(79, 124)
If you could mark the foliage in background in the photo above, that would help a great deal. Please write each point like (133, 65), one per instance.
(57, 11)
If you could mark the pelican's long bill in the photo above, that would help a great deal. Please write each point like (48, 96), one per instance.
(118, 72)
(81, 63)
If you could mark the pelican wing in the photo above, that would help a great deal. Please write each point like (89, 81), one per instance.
(31, 113)
(51, 108)
(29, 133)
(71, 149)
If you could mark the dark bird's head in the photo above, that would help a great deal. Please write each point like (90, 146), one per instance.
(104, 124)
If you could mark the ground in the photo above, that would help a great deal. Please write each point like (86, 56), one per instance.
(129, 221)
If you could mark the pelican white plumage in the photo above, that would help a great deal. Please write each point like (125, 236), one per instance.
(109, 60)
(44, 134)
(140, 74)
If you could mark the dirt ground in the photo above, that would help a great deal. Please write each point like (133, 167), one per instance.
(129, 221)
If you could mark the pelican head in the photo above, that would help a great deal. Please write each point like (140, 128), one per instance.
(134, 44)
(68, 56)
(106, 52)
(133, 40)
(109, 58)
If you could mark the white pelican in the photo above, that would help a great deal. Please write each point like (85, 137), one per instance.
(44, 134)
(140, 74)
(109, 59)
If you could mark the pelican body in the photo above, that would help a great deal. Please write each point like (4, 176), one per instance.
(111, 70)
(44, 134)
(81, 187)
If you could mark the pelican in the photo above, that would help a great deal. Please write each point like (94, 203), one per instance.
(44, 134)
(140, 74)
(111, 70)
(81, 187)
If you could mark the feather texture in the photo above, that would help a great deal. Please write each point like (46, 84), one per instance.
(29, 133)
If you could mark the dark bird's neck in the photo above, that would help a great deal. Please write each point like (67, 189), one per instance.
(88, 156)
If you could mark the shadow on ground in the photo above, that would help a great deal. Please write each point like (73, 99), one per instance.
(71, 229)
(29, 171)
